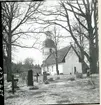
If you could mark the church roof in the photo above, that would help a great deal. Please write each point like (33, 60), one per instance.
(61, 55)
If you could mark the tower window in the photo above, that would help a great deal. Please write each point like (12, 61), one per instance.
(50, 50)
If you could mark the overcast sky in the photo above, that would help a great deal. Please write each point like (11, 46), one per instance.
(20, 54)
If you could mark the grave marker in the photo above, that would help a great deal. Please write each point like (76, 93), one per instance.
(44, 76)
(30, 78)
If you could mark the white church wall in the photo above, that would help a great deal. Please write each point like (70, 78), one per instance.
(71, 61)
(60, 67)
(52, 68)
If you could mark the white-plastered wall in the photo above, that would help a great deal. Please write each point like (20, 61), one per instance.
(71, 61)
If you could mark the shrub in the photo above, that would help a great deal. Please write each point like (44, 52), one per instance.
(33, 88)
(57, 78)
(46, 82)
(50, 79)
(71, 79)
(79, 75)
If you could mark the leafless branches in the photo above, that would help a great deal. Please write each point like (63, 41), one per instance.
(14, 16)
(85, 15)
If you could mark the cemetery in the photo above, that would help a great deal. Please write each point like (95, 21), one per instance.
(30, 87)
(62, 80)
(50, 52)
(58, 89)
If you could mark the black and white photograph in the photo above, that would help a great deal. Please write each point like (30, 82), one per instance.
(50, 52)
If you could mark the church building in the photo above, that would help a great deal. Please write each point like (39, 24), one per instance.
(68, 62)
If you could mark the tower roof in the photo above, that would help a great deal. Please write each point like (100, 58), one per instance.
(49, 43)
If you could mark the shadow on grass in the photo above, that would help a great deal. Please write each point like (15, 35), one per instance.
(63, 101)
(54, 94)
(37, 92)
(41, 96)
(14, 96)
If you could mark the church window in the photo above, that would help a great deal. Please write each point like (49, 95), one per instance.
(52, 68)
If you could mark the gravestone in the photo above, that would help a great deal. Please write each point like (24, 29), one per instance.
(44, 76)
(37, 75)
(13, 90)
(14, 84)
(30, 78)
(88, 72)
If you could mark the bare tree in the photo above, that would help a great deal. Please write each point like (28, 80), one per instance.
(28, 63)
(79, 32)
(14, 16)
(88, 11)
(91, 29)
(56, 38)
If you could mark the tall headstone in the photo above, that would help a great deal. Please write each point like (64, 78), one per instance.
(44, 76)
(30, 78)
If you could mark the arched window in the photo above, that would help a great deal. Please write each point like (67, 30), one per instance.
(74, 70)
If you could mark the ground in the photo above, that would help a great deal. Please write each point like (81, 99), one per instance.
(59, 91)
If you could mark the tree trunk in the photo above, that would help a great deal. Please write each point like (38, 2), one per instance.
(9, 70)
(96, 32)
(82, 63)
(56, 58)
(92, 50)
(93, 59)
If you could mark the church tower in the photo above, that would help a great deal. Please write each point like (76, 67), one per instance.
(48, 45)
